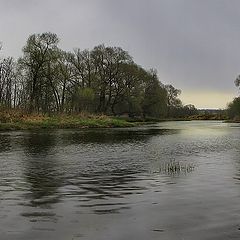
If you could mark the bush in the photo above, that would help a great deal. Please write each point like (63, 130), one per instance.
(234, 109)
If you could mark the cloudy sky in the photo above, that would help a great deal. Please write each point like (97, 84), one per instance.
(194, 44)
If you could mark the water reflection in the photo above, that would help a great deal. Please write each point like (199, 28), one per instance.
(105, 186)
(40, 169)
(5, 143)
(50, 182)
(95, 183)
(103, 193)
(111, 136)
(38, 143)
(52, 178)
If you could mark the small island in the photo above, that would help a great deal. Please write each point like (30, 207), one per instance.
(48, 87)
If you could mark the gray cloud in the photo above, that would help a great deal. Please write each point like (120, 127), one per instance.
(193, 44)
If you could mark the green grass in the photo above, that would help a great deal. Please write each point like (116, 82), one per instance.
(26, 122)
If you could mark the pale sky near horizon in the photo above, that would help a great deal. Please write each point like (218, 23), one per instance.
(193, 44)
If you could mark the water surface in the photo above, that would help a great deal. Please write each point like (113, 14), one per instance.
(172, 180)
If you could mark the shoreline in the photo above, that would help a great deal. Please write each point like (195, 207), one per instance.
(79, 124)
(89, 125)
(16, 122)
(232, 121)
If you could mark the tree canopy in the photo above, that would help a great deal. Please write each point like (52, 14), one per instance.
(47, 79)
(234, 106)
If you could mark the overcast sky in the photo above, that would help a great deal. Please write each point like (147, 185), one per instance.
(194, 44)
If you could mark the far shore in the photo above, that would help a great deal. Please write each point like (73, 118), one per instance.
(232, 121)
(10, 121)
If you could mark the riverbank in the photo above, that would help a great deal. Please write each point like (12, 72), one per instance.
(10, 121)
(14, 120)
(232, 121)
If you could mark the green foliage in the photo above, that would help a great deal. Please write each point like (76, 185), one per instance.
(234, 109)
(104, 80)
(23, 122)
(84, 99)
(155, 98)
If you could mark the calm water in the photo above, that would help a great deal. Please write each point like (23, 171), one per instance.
(173, 180)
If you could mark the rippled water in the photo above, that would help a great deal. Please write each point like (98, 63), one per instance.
(172, 180)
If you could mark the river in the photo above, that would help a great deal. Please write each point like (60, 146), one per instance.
(171, 180)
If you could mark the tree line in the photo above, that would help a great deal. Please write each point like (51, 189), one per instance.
(234, 106)
(49, 80)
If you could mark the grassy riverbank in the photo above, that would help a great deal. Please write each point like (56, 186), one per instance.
(18, 121)
(14, 120)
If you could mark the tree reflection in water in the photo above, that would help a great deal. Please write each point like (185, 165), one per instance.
(40, 169)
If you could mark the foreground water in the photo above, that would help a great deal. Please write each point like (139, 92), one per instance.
(172, 180)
